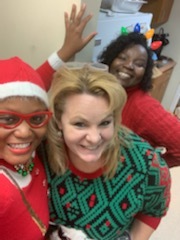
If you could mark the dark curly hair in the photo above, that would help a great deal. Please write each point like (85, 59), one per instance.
(123, 42)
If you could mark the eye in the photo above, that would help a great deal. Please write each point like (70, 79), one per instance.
(8, 119)
(79, 124)
(106, 123)
(121, 57)
(38, 119)
(140, 64)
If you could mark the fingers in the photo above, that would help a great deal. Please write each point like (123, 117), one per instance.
(83, 23)
(66, 20)
(75, 23)
(81, 12)
(89, 37)
(73, 13)
(74, 17)
(76, 20)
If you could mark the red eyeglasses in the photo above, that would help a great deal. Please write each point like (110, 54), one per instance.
(11, 120)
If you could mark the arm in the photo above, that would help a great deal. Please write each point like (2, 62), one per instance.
(156, 198)
(73, 43)
(164, 131)
(140, 231)
(159, 127)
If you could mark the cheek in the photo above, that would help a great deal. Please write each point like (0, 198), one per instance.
(71, 136)
(113, 65)
(108, 133)
(3, 141)
(140, 73)
(3, 135)
(41, 132)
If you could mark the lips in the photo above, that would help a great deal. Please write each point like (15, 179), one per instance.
(20, 148)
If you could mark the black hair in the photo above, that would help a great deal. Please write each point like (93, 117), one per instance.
(122, 42)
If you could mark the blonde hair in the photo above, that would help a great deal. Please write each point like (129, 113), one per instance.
(77, 81)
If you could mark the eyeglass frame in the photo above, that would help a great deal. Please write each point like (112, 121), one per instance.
(26, 117)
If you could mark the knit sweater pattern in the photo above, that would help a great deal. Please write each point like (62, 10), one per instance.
(104, 208)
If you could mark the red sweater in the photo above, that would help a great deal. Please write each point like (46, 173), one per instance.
(146, 117)
(46, 73)
(15, 220)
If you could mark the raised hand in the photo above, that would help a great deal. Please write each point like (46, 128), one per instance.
(75, 24)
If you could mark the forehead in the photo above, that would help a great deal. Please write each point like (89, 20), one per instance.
(20, 103)
(84, 99)
(136, 50)
(86, 104)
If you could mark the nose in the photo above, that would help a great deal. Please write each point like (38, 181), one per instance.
(129, 64)
(94, 135)
(23, 130)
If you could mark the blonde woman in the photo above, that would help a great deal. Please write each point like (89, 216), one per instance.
(103, 179)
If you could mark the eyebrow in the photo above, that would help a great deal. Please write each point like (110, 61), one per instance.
(83, 119)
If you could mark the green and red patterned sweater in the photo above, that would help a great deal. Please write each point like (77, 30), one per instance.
(104, 208)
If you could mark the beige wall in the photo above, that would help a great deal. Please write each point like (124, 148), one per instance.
(32, 29)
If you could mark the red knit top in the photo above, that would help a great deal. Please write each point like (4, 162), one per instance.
(146, 117)
(15, 220)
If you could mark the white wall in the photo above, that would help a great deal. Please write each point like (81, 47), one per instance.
(173, 50)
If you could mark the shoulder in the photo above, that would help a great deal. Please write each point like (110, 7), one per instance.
(141, 98)
(136, 107)
(145, 162)
(140, 153)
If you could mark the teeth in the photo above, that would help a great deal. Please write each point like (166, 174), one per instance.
(92, 148)
(123, 75)
(21, 145)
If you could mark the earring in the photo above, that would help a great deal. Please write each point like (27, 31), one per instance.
(60, 134)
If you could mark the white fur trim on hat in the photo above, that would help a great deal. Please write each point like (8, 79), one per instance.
(26, 89)
(17, 78)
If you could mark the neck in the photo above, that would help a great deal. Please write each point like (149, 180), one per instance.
(25, 169)
(86, 167)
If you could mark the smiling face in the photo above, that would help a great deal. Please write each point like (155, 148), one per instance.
(87, 127)
(129, 66)
(18, 144)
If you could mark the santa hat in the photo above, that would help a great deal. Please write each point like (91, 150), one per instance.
(17, 78)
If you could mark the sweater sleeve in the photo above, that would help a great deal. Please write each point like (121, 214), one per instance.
(157, 195)
(47, 69)
(46, 73)
(159, 127)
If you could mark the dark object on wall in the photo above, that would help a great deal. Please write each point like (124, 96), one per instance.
(163, 37)
(160, 9)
